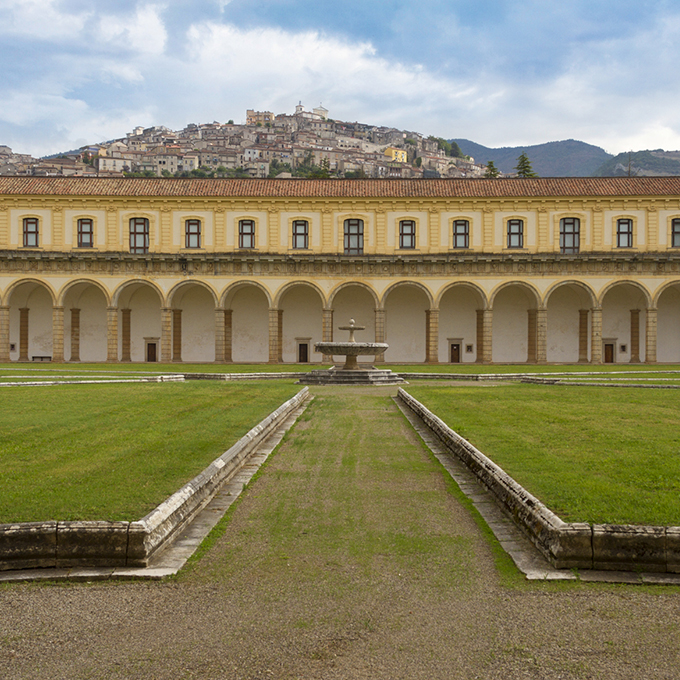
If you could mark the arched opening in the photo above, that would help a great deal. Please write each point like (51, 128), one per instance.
(30, 323)
(85, 323)
(668, 325)
(406, 324)
(354, 302)
(302, 316)
(623, 323)
(514, 325)
(248, 315)
(193, 324)
(458, 309)
(568, 333)
(139, 323)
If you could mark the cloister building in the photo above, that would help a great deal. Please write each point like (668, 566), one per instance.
(488, 270)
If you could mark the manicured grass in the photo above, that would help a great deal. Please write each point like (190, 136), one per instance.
(590, 454)
(114, 452)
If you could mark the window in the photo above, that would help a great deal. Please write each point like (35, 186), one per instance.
(461, 234)
(246, 234)
(192, 234)
(515, 233)
(300, 234)
(570, 229)
(354, 237)
(31, 232)
(675, 233)
(624, 233)
(139, 235)
(407, 234)
(85, 233)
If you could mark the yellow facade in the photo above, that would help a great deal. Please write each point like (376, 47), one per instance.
(552, 270)
(397, 155)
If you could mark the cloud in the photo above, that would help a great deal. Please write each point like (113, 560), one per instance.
(142, 32)
(40, 19)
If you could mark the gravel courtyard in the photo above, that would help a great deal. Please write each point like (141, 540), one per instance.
(348, 557)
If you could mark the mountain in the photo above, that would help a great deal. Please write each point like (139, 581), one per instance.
(652, 163)
(569, 158)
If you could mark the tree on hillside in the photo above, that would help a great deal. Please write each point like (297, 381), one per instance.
(491, 170)
(523, 166)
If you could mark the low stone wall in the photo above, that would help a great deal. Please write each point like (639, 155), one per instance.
(566, 545)
(242, 376)
(28, 545)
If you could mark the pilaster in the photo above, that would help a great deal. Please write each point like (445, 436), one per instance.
(177, 335)
(531, 336)
(596, 336)
(432, 336)
(634, 336)
(125, 322)
(650, 335)
(166, 335)
(23, 334)
(541, 336)
(75, 335)
(57, 333)
(4, 334)
(583, 336)
(112, 335)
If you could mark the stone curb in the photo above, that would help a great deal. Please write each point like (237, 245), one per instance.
(30, 545)
(578, 545)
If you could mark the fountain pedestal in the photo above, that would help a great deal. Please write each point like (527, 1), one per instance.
(351, 373)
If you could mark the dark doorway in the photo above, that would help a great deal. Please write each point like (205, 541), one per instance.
(455, 353)
(303, 353)
(151, 351)
(609, 353)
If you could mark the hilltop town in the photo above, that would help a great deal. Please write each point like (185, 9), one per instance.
(302, 144)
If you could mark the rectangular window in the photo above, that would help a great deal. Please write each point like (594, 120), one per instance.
(31, 225)
(624, 233)
(354, 237)
(192, 234)
(407, 234)
(139, 235)
(515, 233)
(675, 233)
(461, 234)
(85, 233)
(570, 235)
(246, 234)
(300, 234)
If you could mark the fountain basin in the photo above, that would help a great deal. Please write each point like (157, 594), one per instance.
(351, 350)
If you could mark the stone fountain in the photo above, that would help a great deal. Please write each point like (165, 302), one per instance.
(350, 373)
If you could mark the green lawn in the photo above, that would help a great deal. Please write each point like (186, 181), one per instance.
(114, 452)
(589, 453)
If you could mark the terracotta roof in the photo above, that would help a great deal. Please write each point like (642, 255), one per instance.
(338, 188)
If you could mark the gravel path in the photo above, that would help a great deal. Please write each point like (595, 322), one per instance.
(348, 558)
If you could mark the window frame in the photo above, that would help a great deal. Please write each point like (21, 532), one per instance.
(575, 234)
(404, 236)
(460, 230)
(81, 232)
(31, 237)
(246, 239)
(357, 236)
(675, 232)
(136, 234)
(620, 234)
(516, 235)
(190, 235)
(300, 230)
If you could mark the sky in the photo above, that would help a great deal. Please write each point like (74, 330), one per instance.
(498, 72)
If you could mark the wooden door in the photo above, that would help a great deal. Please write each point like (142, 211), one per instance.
(609, 353)
(455, 353)
(303, 353)
(151, 351)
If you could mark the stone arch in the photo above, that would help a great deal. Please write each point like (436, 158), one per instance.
(527, 287)
(85, 303)
(291, 284)
(31, 305)
(407, 307)
(355, 300)
(667, 304)
(20, 282)
(408, 282)
(192, 325)
(624, 307)
(300, 307)
(625, 282)
(460, 304)
(176, 290)
(68, 287)
(338, 289)
(587, 290)
(248, 312)
(514, 326)
(140, 330)
(232, 289)
(120, 290)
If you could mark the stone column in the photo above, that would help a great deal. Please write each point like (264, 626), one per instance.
(380, 332)
(274, 337)
(583, 336)
(280, 333)
(596, 336)
(112, 334)
(484, 337)
(541, 336)
(219, 335)
(23, 334)
(327, 332)
(634, 336)
(432, 336)
(75, 335)
(177, 335)
(126, 334)
(650, 335)
(166, 335)
(531, 336)
(4, 334)
(228, 336)
(57, 333)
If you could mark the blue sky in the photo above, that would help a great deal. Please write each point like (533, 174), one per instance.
(499, 72)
